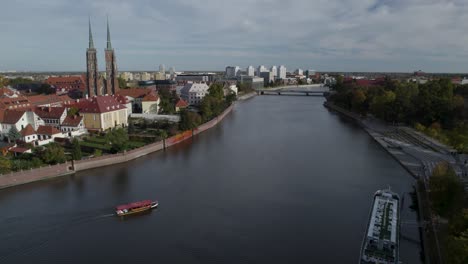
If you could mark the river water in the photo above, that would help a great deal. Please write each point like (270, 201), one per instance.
(280, 180)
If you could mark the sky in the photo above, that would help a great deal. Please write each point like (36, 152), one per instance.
(325, 35)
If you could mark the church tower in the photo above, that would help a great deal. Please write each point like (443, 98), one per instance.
(112, 83)
(92, 75)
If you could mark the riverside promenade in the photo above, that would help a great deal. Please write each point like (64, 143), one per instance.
(48, 172)
(419, 155)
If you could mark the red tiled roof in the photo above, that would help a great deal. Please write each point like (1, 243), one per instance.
(11, 116)
(50, 112)
(68, 82)
(18, 149)
(135, 92)
(150, 98)
(181, 103)
(47, 130)
(28, 131)
(19, 102)
(72, 121)
(6, 91)
(49, 99)
(99, 104)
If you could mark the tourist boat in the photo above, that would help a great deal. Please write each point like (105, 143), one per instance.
(382, 238)
(136, 207)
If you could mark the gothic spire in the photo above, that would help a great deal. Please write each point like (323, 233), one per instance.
(91, 43)
(109, 45)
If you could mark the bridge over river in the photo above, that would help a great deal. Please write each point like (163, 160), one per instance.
(312, 89)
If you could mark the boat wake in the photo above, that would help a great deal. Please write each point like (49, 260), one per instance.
(41, 234)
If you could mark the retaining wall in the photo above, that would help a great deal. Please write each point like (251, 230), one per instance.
(43, 173)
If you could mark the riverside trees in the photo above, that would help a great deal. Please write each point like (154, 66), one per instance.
(448, 199)
(435, 108)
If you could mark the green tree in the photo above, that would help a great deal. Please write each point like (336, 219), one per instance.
(118, 139)
(131, 126)
(13, 134)
(122, 83)
(53, 154)
(381, 105)
(5, 165)
(358, 100)
(3, 81)
(216, 90)
(189, 120)
(446, 190)
(45, 89)
(230, 98)
(97, 153)
(76, 150)
(73, 111)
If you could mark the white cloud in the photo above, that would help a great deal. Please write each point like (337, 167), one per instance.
(387, 35)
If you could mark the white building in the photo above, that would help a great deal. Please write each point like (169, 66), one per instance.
(162, 68)
(250, 71)
(299, 72)
(261, 69)
(128, 76)
(73, 126)
(281, 72)
(145, 76)
(193, 93)
(232, 71)
(274, 70)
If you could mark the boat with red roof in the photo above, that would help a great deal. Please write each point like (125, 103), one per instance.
(135, 207)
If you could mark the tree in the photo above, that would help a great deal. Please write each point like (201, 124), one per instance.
(97, 153)
(53, 154)
(189, 120)
(5, 165)
(122, 83)
(131, 126)
(358, 99)
(216, 90)
(45, 89)
(3, 81)
(13, 134)
(72, 111)
(231, 97)
(446, 190)
(118, 139)
(76, 149)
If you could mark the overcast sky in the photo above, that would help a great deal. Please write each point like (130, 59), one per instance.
(325, 35)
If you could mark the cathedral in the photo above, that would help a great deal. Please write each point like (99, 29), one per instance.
(97, 85)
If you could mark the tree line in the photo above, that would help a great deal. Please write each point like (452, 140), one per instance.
(436, 107)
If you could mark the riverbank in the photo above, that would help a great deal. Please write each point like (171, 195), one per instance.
(246, 96)
(49, 172)
(412, 160)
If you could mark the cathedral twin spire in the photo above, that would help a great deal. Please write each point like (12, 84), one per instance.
(111, 85)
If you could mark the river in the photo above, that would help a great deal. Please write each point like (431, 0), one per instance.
(280, 180)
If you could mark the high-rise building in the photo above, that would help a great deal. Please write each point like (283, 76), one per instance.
(172, 71)
(299, 72)
(162, 68)
(274, 70)
(281, 72)
(250, 71)
(112, 84)
(232, 71)
(92, 75)
(261, 69)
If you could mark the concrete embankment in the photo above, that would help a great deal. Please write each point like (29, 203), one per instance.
(246, 96)
(48, 172)
(414, 165)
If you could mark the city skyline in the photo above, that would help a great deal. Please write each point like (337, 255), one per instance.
(366, 35)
